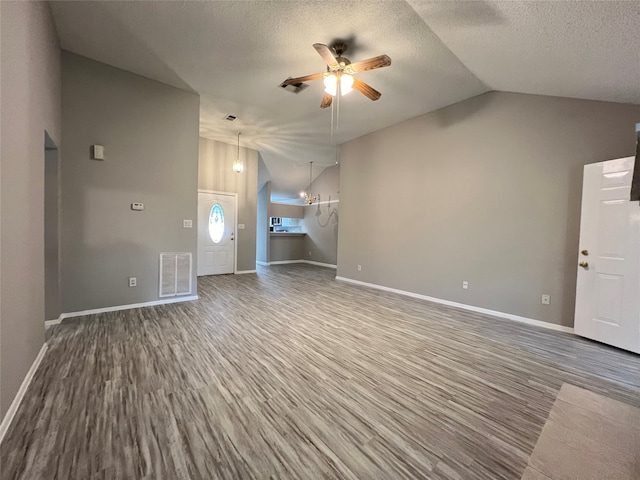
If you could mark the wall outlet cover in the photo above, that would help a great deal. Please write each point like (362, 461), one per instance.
(359, 268)
(546, 299)
(133, 282)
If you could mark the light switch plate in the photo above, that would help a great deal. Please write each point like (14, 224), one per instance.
(187, 223)
(97, 152)
(241, 226)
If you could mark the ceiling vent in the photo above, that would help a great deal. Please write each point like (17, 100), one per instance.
(230, 117)
(294, 87)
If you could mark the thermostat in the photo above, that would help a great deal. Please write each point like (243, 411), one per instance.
(137, 206)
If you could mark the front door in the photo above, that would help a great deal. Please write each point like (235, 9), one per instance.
(216, 233)
(608, 284)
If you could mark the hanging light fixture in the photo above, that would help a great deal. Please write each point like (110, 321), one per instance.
(331, 83)
(308, 197)
(238, 167)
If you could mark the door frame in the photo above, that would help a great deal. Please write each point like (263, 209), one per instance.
(235, 227)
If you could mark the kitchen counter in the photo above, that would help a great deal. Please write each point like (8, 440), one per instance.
(287, 234)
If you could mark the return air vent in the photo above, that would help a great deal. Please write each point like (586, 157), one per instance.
(230, 117)
(294, 87)
(175, 274)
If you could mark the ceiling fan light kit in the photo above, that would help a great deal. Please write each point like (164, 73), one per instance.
(339, 78)
(333, 80)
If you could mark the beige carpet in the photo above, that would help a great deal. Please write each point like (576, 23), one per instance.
(587, 436)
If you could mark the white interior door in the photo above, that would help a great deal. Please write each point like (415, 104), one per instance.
(216, 233)
(608, 286)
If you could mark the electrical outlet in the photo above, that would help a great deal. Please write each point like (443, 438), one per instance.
(465, 284)
(133, 282)
(546, 299)
(359, 268)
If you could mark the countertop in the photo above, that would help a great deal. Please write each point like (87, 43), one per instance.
(287, 234)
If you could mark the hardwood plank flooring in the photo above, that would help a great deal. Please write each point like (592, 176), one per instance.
(291, 374)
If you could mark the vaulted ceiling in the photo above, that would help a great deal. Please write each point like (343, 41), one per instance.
(235, 54)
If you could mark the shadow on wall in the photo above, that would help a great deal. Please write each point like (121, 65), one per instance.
(451, 115)
(332, 217)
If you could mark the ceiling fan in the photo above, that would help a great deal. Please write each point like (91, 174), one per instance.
(339, 79)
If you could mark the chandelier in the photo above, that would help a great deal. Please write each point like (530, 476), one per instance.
(308, 197)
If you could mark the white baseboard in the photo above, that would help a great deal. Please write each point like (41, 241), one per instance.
(117, 308)
(319, 264)
(13, 408)
(494, 313)
(242, 272)
(286, 262)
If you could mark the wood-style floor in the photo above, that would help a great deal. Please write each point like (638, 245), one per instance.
(291, 374)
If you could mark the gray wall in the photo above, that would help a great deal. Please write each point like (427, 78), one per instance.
(150, 134)
(321, 220)
(487, 190)
(51, 235)
(262, 223)
(284, 247)
(286, 211)
(30, 105)
(216, 173)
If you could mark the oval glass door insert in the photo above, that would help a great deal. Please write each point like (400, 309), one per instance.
(216, 223)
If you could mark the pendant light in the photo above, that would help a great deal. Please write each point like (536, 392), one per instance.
(238, 167)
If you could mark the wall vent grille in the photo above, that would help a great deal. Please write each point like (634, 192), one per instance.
(175, 274)
(294, 87)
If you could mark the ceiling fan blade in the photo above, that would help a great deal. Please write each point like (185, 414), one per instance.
(371, 64)
(326, 54)
(306, 78)
(365, 89)
(326, 101)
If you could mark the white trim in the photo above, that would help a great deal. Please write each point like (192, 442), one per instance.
(117, 308)
(291, 204)
(235, 240)
(240, 272)
(319, 264)
(303, 204)
(321, 203)
(285, 262)
(13, 408)
(55, 321)
(508, 316)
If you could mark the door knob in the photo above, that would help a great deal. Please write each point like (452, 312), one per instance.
(585, 252)
(584, 264)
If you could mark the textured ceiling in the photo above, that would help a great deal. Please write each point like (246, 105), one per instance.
(236, 53)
